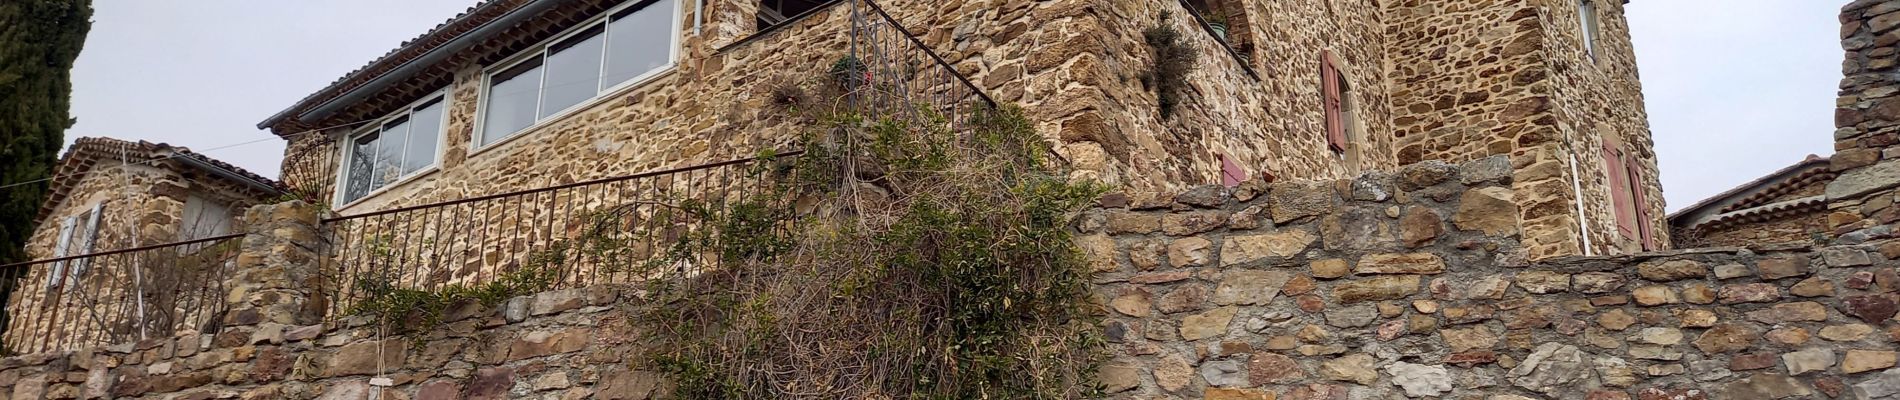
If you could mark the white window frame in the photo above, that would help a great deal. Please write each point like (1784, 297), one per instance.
(540, 50)
(343, 148)
(1590, 26)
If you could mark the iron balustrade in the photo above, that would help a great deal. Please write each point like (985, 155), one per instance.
(611, 230)
(616, 230)
(118, 296)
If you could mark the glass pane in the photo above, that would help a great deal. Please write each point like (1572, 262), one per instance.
(641, 41)
(356, 179)
(425, 128)
(573, 72)
(511, 99)
(389, 153)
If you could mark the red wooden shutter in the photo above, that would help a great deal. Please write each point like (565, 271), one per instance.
(1230, 173)
(1637, 200)
(1330, 90)
(1619, 191)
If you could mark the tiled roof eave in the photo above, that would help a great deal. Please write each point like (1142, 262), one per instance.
(87, 153)
(1766, 212)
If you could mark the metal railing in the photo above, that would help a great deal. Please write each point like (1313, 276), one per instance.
(117, 296)
(310, 168)
(901, 76)
(613, 230)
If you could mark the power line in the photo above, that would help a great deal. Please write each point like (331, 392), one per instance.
(156, 160)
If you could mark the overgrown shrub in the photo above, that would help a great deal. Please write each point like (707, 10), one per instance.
(897, 258)
(1173, 60)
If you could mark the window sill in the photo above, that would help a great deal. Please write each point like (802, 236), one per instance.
(400, 182)
(570, 112)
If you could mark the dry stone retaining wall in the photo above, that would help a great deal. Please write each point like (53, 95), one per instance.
(571, 344)
(567, 344)
(1416, 284)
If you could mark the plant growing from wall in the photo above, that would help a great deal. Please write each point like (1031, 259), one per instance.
(1173, 59)
(850, 73)
(897, 258)
(420, 310)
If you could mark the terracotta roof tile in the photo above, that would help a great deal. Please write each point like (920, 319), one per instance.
(1788, 178)
(480, 13)
(88, 152)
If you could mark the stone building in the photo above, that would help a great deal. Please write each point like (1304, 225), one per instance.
(107, 195)
(514, 94)
(1788, 206)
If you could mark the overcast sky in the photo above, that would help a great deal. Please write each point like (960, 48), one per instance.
(1735, 88)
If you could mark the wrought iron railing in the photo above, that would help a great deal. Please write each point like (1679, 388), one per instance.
(615, 230)
(309, 168)
(117, 296)
(903, 77)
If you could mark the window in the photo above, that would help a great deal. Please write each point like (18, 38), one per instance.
(76, 236)
(774, 12)
(1587, 10)
(1335, 92)
(398, 147)
(1626, 196)
(204, 218)
(628, 45)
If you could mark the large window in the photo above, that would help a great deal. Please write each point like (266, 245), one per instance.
(398, 147)
(631, 43)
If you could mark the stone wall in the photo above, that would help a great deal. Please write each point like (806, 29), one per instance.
(1429, 80)
(1801, 228)
(142, 205)
(1867, 115)
(565, 344)
(573, 344)
(1480, 78)
(1597, 103)
(1416, 284)
(1073, 65)
(1263, 111)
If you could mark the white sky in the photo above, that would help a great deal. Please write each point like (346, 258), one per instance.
(1735, 88)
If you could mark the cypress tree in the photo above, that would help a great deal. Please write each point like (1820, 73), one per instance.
(39, 39)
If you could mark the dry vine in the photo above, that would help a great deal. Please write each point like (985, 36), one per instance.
(896, 259)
